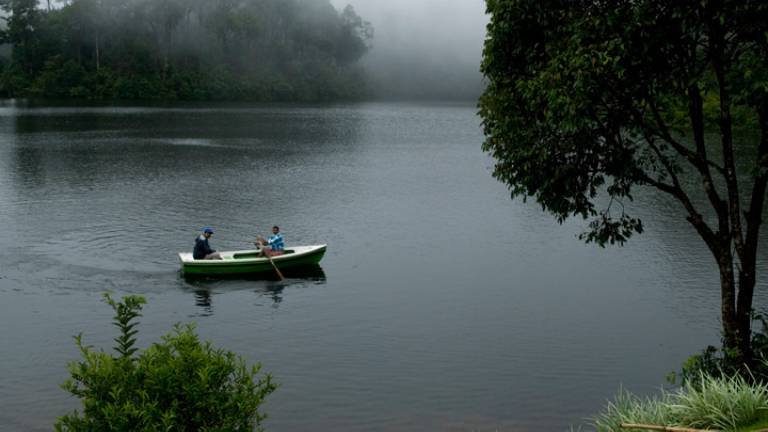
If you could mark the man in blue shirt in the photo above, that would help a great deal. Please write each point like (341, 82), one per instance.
(272, 246)
(202, 248)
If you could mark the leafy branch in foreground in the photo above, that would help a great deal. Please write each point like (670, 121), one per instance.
(126, 312)
(177, 384)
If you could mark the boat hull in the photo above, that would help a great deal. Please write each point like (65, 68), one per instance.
(248, 262)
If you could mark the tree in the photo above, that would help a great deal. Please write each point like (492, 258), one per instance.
(22, 20)
(356, 36)
(592, 97)
(88, 20)
(164, 16)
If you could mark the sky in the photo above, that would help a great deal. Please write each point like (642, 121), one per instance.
(425, 45)
(453, 28)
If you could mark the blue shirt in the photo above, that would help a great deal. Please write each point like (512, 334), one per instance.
(276, 242)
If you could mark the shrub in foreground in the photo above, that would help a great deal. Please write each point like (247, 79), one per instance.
(179, 384)
(717, 362)
(721, 403)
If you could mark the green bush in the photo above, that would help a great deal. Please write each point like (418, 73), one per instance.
(60, 79)
(718, 362)
(722, 403)
(179, 384)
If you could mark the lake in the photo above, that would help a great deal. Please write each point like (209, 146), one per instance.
(441, 304)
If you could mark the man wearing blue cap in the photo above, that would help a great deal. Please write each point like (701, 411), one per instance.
(202, 248)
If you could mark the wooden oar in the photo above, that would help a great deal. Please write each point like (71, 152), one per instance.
(279, 275)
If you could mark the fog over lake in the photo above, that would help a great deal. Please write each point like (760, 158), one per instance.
(425, 49)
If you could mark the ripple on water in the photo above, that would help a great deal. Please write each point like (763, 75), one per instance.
(124, 246)
(191, 142)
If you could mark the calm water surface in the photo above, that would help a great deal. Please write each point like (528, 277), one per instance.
(441, 304)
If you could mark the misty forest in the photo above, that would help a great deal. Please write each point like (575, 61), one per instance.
(261, 50)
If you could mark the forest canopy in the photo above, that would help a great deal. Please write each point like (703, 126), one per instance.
(264, 50)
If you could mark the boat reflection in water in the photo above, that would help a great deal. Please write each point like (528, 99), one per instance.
(204, 288)
(306, 273)
(203, 299)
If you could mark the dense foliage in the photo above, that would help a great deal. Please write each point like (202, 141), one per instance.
(184, 49)
(715, 362)
(587, 100)
(178, 384)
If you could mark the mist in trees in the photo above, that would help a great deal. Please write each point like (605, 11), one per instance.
(426, 49)
(287, 50)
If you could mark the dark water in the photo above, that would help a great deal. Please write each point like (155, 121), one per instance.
(441, 304)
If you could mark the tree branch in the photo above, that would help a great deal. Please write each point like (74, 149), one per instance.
(726, 133)
(754, 219)
(696, 114)
(676, 190)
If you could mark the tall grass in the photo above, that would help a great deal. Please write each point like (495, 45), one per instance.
(628, 408)
(722, 403)
(725, 404)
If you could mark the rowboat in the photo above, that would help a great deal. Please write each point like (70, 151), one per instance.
(243, 262)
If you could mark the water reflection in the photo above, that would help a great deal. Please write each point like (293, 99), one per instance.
(203, 288)
(203, 300)
(30, 162)
(275, 293)
(308, 273)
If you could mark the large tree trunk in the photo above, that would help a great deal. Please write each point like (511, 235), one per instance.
(735, 234)
(744, 311)
(736, 309)
(754, 219)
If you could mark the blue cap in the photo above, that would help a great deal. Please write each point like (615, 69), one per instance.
(208, 230)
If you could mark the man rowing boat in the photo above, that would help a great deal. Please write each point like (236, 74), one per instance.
(272, 246)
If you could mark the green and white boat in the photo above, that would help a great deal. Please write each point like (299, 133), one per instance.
(244, 262)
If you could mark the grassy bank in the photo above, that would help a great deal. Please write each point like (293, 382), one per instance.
(726, 404)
